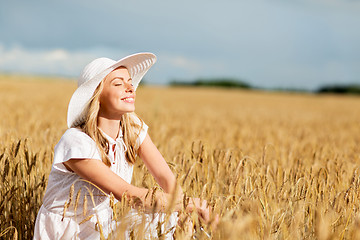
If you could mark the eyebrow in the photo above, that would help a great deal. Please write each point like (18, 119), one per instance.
(121, 78)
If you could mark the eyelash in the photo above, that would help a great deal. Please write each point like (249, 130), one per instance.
(119, 84)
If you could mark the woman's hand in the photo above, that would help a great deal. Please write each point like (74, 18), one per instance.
(159, 201)
(201, 207)
(204, 212)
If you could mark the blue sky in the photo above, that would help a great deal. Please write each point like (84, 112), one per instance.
(267, 43)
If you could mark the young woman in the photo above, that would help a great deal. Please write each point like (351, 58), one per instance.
(95, 157)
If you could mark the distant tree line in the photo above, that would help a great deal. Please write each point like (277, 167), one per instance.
(213, 82)
(340, 89)
(236, 83)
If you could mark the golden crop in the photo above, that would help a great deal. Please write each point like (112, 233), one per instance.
(272, 165)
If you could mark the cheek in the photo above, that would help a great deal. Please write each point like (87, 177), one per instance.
(105, 100)
(110, 99)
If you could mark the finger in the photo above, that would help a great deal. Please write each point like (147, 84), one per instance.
(204, 204)
(215, 222)
(204, 213)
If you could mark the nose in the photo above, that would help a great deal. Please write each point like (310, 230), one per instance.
(129, 87)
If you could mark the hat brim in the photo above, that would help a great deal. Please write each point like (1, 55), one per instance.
(137, 64)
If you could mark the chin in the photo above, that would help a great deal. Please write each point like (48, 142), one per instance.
(129, 110)
(132, 109)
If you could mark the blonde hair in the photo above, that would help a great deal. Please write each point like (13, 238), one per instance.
(129, 128)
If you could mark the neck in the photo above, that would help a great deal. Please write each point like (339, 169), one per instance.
(109, 126)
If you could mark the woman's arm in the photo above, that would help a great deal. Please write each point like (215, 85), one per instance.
(157, 165)
(98, 173)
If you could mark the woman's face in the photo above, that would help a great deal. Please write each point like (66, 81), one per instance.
(118, 94)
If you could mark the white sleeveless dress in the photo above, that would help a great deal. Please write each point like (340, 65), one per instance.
(81, 222)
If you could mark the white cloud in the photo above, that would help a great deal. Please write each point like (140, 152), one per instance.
(174, 66)
(54, 61)
(184, 63)
(56, 55)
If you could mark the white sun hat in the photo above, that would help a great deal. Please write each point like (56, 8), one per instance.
(137, 64)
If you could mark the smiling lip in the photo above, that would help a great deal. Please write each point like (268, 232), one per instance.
(129, 99)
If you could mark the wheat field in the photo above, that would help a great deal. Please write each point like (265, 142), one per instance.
(272, 165)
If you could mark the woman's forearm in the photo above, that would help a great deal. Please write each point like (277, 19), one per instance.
(160, 201)
(99, 174)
